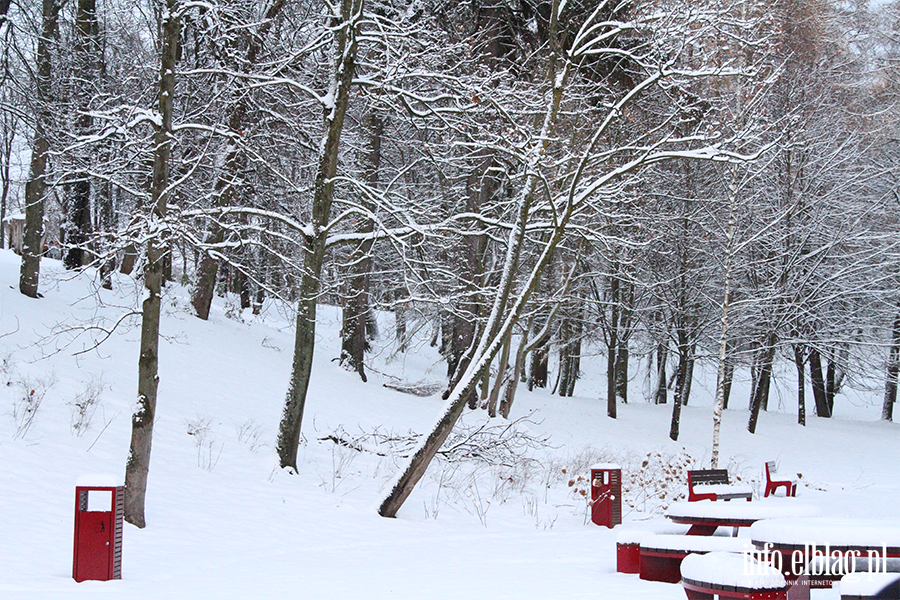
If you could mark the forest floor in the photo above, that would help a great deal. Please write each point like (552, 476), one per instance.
(224, 522)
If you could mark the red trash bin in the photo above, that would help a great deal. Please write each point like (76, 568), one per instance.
(99, 512)
(606, 494)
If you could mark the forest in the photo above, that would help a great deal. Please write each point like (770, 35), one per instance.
(519, 181)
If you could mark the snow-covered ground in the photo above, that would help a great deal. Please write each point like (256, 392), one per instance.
(225, 522)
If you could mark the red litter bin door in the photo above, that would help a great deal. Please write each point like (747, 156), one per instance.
(93, 546)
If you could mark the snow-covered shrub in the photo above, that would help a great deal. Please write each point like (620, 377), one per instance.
(650, 483)
(659, 480)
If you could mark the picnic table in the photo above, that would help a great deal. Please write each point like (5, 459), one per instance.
(799, 542)
(706, 516)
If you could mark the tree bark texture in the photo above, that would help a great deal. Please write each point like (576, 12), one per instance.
(800, 362)
(614, 336)
(761, 391)
(662, 391)
(539, 371)
(818, 384)
(893, 368)
(509, 392)
(681, 374)
(138, 466)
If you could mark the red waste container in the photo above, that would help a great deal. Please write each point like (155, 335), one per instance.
(99, 512)
(606, 494)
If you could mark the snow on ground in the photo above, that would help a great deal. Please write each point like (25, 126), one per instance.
(225, 522)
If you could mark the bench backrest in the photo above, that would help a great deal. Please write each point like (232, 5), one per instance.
(771, 466)
(708, 477)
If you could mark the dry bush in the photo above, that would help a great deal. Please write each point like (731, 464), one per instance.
(85, 404)
(27, 402)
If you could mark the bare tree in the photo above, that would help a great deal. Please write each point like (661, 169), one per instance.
(36, 187)
(138, 466)
(593, 172)
(344, 23)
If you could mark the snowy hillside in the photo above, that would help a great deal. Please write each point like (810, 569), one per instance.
(224, 522)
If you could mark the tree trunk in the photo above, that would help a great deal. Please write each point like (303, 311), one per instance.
(626, 295)
(87, 53)
(106, 225)
(612, 347)
(834, 377)
(540, 363)
(138, 465)
(509, 392)
(10, 125)
(688, 379)
(400, 334)
(800, 362)
(36, 186)
(681, 374)
(818, 384)
(344, 29)
(662, 391)
(501, 381)
(357, 313)
(723, 382)
(761, 392)
(622, 355)
(729, 377)
(570, 354)
(893, 368)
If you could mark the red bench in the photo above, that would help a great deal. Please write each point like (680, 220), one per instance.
(789, 485)
(714, 484)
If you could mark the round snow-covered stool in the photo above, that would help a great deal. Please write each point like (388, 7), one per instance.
(728, 575)
(661, 555)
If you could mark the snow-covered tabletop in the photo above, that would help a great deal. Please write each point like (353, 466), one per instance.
(793, 533)
(740, 511)
(731, 570)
